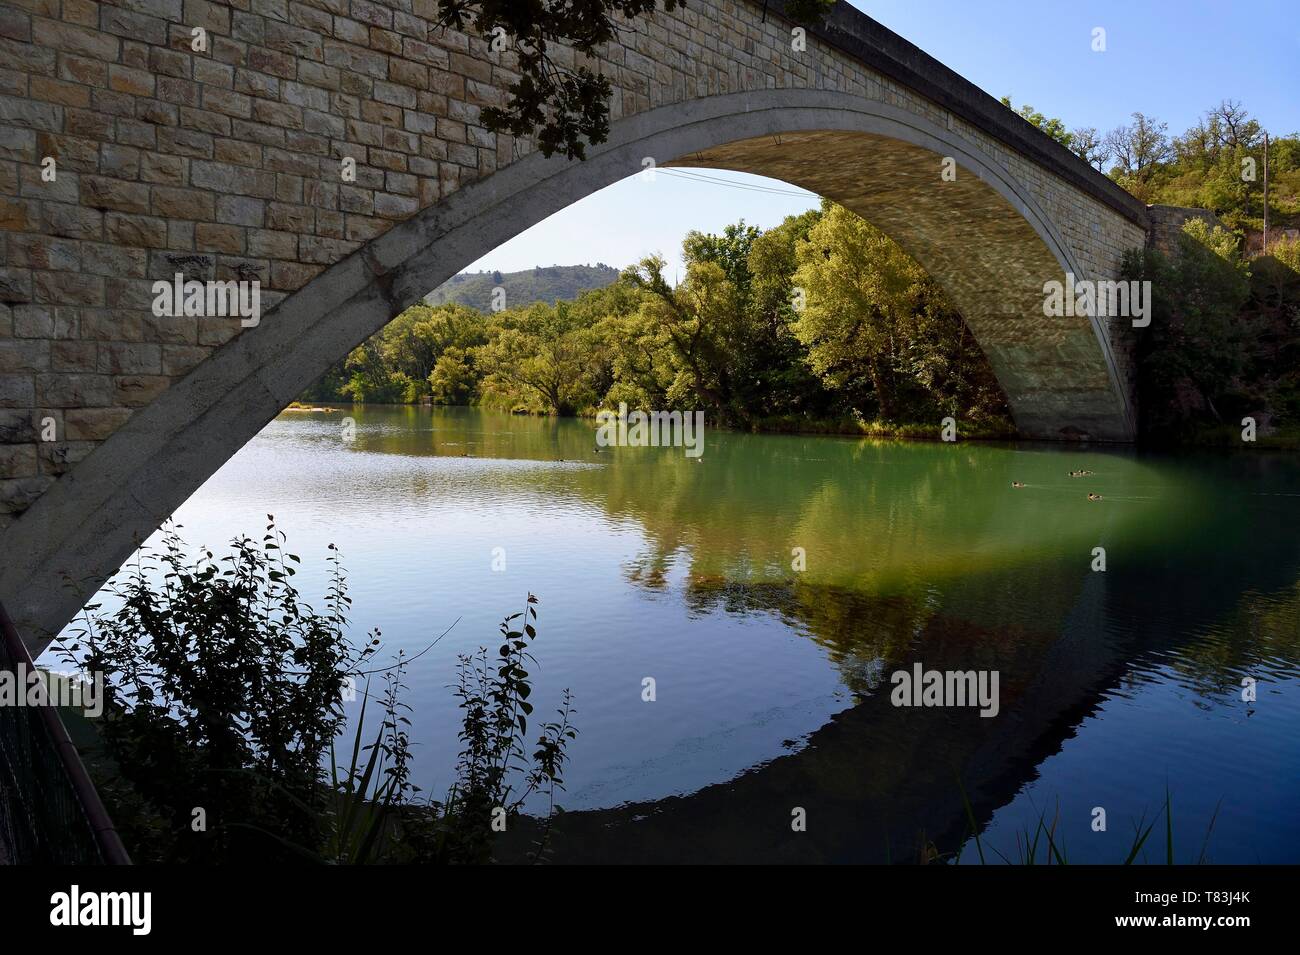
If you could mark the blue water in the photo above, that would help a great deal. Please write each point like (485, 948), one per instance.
(772, 684)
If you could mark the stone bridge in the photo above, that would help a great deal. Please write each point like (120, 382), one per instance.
(226, 163)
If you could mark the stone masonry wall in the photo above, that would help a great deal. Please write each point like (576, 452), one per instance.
(225, 164)
(1167, 224)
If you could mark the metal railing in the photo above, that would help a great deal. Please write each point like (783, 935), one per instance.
(50, 812)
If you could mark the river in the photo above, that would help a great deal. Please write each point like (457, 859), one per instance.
(772, 681)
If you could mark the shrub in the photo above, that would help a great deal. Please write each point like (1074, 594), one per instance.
(224, 699)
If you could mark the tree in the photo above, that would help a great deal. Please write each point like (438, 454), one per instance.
(1089, 145)
(1231, 126)
(702, 325)
(741, 341)
(730, 251)
(393, 366)
(880, 332)
(641, 360)
(565, 108)
(605, 312)
(860, 293)
(1138, 149)
(454, 380)
(784, 382)
(1275, 281)
(538, 358)
(412, 343)
(1275, 294)
(1052, 127)
(370, 379)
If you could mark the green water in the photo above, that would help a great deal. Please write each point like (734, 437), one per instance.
(771, 587)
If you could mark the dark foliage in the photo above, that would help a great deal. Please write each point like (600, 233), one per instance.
(225, 696)
(565, 108)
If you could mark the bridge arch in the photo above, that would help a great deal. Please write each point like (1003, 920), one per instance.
(983, 237)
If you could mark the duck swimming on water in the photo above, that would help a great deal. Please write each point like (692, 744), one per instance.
(1094, 497)
(1017, 484)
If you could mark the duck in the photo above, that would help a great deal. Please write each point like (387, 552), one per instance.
(1017, 484)
(1093, 496)
(1080, 473)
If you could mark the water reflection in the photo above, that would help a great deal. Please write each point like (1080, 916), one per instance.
(774, 681)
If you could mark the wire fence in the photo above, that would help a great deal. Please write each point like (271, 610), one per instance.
(50, 813)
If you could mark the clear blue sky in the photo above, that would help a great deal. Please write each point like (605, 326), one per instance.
(1171, 59)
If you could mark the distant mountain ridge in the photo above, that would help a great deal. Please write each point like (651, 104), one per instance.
(550, 284)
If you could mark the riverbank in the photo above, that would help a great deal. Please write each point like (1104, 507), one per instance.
(1226, 437)
(912, 431)
(842, 426)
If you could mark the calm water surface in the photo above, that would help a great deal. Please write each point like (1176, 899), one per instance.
(773, 685)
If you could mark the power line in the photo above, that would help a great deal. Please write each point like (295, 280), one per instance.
(714, 180)
(684, 174)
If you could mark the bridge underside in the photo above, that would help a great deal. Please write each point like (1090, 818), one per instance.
(982, 237)
(1058, 373)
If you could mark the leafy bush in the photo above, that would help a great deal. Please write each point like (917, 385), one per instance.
(495, 774)
(224, 692)
(224, 699)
